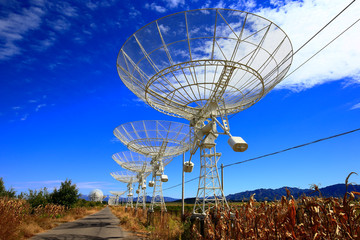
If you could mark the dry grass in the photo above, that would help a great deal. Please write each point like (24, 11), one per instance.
(156, 226)
(12, 214)
(305, 218)
(17, 221)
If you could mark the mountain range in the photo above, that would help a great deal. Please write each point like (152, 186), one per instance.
(337, 190)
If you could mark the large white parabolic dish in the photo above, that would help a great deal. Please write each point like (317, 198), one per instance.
(179, 62)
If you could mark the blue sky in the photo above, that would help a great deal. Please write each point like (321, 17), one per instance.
(61, 97)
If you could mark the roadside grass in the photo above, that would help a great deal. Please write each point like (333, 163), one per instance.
(150, 226)
(19, 221)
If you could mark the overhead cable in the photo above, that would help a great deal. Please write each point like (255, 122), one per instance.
(274, 153)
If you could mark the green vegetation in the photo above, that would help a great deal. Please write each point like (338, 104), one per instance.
(67, 195)
(6, 193)
(38, 210)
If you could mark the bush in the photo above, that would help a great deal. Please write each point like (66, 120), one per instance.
(67, 195)
(6, 193)
(37, 198)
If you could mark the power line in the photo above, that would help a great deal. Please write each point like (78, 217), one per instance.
(316, 141)
(274, 153)
(291, 148)
(318, 32)
(324, 27)
(322, 48)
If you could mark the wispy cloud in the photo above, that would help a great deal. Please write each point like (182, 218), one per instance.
(92, 185)
(60, 25)
(23, 118)
(155, 7)
(66, 9)
(134, 12)
(356, 106)
(39, 106)
(15, 26)
(97, 4)
(52, 184)
(36, 185)
(174, 3)
(244, 5)
(114, 140)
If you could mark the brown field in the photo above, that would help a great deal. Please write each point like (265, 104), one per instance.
(304, 218)
(19, 221)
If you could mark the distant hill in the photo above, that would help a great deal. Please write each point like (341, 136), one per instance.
(337, 190)
(166, 199)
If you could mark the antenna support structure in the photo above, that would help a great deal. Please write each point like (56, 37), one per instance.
(153, 145)
(203, 65)
(129, 178)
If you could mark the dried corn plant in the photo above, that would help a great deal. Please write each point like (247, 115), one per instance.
(305, 218)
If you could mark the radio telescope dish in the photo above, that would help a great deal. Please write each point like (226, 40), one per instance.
(181, 63)
(147, 137)
(129, 178)
(137, 163)
(160, 141)
(117, 193)
(114, 200)
(203, 65)
(96, 195)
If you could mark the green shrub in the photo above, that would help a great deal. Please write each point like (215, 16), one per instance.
(6, 193)
(67, 195)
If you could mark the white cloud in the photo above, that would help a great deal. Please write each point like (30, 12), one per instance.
(243, 5)
(96, 4)
(14, 27)
(39, 106)
(356, 106)
(134, 12)
(37, 185)
(164, 29)
(60, 25)
(114, 140)
(24, 117)
(93, 185)
(174, 3)
(155, 7)
(301, 20)
(66, 9)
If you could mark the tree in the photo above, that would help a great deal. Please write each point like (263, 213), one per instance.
(67, 194)
(6, 193)
(36, 198)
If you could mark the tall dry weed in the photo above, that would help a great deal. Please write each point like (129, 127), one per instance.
(12, 213)
(305, 218)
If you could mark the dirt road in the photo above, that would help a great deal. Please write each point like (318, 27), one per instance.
(98, 226)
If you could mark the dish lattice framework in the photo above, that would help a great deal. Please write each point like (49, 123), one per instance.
(125, 176)
(114, 200)
(117, 193)
(135, 161)
(148, 137)
(130, 178)
(180, 63)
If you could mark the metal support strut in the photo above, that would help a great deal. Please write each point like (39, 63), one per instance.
(210, 193)
(158, 197)
(141, 200)
(130, 196)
